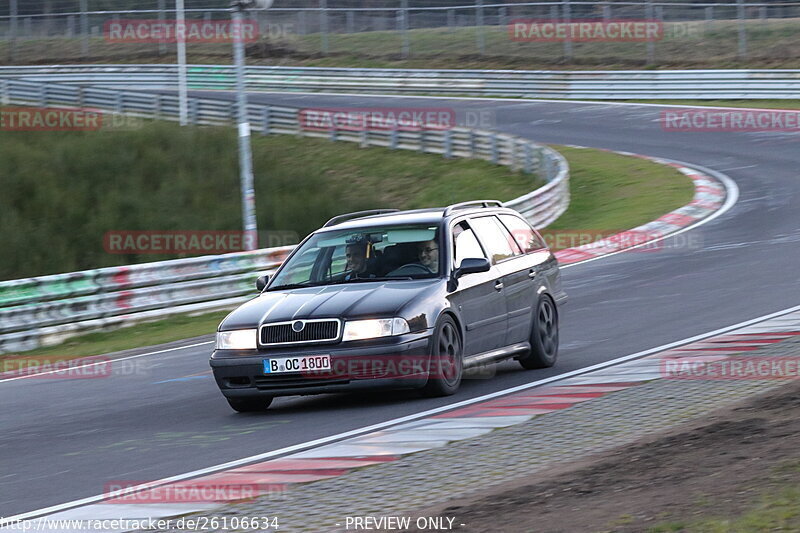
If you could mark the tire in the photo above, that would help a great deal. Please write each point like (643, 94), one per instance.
(447, 360)
(544, 336)
(250, 405)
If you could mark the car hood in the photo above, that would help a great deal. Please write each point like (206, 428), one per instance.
(357, 300)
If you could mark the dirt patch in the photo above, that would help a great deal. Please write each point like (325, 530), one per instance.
(714, 467)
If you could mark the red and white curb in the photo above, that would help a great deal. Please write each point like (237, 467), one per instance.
(709, 198)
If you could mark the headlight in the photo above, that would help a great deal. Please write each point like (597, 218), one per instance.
(370, 329)
(239, 339)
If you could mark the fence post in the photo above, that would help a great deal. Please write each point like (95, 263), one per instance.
(742, 30)
(162, 16)
(472, 149)
(265, 120)
(84, 28)
(158, 107)
(81, 96)
(13, 29)
(70, 34)
(421, 135)
(568, 41)
(606, 11)
(351, 23)
(323, 24)
(393, 139)
(709, 18)
(404, 28)
(364, 138)
(43, 95)
(762, 12)
(651, 46)
(301, 23)
(493, 144)
(332, 132)
(193, 111)
(479, 27)
(451, 19)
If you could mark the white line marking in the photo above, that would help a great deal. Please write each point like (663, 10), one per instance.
(112, 361)
(394, 422)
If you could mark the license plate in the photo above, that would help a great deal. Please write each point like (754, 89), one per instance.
(306, 363)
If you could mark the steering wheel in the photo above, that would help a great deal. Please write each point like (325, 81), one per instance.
(409, 269)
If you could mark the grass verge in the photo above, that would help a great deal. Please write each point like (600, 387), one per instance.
(609, 191)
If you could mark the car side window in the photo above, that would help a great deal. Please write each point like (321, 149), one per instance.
(465, 243)
(495, 237)
(523, 234)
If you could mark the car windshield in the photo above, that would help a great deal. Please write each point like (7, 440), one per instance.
(357, 255)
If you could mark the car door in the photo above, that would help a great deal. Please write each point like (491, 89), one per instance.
(527, 274)
(480, 303)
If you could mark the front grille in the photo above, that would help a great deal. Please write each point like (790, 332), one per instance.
(312, 331)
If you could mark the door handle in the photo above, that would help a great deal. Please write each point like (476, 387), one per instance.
(498, 286)
(532, 274)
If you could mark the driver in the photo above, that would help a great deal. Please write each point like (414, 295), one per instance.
(429, 255)
(356, 255)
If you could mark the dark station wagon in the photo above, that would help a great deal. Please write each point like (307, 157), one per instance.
(394, 299)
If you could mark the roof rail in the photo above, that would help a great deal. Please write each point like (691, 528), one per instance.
(475, 203)
(341, 218)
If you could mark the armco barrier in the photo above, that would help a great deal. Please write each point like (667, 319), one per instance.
(41, 311)
(622, 84)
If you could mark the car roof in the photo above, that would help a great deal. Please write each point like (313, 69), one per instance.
(434, 215)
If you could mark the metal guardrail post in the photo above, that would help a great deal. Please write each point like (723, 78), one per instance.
(567, 14)
(119, 103)
(81, 97)
(84, 29)
(265, 118)
(740, 14)
(421, 139)
(479, 27)
(528, 168)
(4, 93)
(332, 133)
(323, 25)
(494, 151)
(393, 139)
(193, 105)
(448, 144)
(43, 96)
(364, 138)
(472, 147)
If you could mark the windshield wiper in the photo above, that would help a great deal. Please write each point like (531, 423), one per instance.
(290, 286)
(363, 280)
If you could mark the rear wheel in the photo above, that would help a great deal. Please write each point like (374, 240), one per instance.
(447, 360)
(250, 405)
(544, 336)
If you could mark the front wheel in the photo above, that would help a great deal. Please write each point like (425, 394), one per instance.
(250, 405)
(446, 361)
(544, 336)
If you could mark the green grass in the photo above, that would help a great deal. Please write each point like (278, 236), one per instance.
(609, 192)
(62, 191)
(614, 192)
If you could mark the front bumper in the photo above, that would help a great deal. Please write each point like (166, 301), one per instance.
(389, 363)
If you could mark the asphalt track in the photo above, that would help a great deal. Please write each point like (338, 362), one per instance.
(161, 415)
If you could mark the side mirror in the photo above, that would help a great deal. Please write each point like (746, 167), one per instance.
(261, 282)
(472, 265)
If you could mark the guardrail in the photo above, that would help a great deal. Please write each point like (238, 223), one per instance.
(617, 85)
(44, 310)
